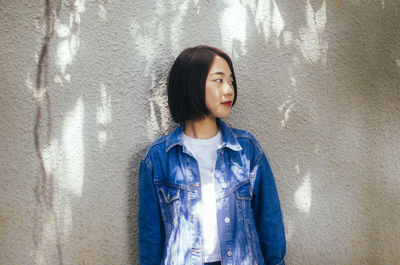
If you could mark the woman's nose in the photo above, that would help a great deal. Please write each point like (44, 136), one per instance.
(228, 89)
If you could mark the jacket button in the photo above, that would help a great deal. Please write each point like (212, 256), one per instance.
(227, 220)
(229, 253)
(224, 185)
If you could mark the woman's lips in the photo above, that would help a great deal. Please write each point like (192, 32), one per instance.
(227, 103)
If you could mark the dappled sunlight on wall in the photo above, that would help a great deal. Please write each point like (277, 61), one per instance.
(143, 29)
(68, 35)
(233, 24)
(277, 21)
(302, 196)
(139, 33)
(73, 147)
(61, 157)
(102, 12)
(318, 86)
(312, 45)
(178, 25)
(103, 115)
(285, 109)
(268, 19)
(159, 121)
(64, 160)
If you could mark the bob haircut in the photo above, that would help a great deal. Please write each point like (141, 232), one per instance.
(187, 82)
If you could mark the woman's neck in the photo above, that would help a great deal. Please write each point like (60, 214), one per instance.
(201, 129)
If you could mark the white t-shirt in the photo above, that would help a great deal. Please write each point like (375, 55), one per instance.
(205, 153)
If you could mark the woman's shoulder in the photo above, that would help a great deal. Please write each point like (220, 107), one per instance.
(244, 137)
(157, 145)
(159, 142)
(160, 145)
(241, 133)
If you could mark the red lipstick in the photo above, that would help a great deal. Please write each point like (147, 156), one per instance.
(227, 103)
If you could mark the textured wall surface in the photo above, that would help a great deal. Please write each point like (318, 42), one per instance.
(319, 86)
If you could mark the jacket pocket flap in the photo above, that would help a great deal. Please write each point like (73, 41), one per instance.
(244, 192)
(168, 194)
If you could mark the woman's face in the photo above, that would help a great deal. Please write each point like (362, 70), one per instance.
(219, 89)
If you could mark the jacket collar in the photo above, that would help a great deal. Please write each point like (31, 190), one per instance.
(228, 137)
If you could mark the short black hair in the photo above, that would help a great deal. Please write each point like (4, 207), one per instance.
(187, 81)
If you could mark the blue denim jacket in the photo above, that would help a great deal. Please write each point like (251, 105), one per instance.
(249, 216)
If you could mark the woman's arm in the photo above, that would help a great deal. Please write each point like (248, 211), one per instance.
(151, 229)
(267, 213)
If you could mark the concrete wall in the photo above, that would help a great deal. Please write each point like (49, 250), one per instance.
(319, 86)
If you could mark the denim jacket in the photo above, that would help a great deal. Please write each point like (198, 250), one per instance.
(249, 216)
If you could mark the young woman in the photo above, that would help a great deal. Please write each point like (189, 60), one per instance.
(206, 191)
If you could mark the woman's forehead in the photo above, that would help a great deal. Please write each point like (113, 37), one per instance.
(220, 67)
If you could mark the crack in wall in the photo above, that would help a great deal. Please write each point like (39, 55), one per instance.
(44, 188)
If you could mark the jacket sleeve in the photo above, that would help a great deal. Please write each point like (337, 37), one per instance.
(267, 213)
(151, 229)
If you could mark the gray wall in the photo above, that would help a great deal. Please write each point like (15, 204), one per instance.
(319, 86)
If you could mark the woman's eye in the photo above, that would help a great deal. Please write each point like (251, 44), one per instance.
(231, 82)
(219, 80)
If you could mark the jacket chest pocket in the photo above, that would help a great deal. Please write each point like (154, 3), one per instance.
(243, 203)
(169, 203)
